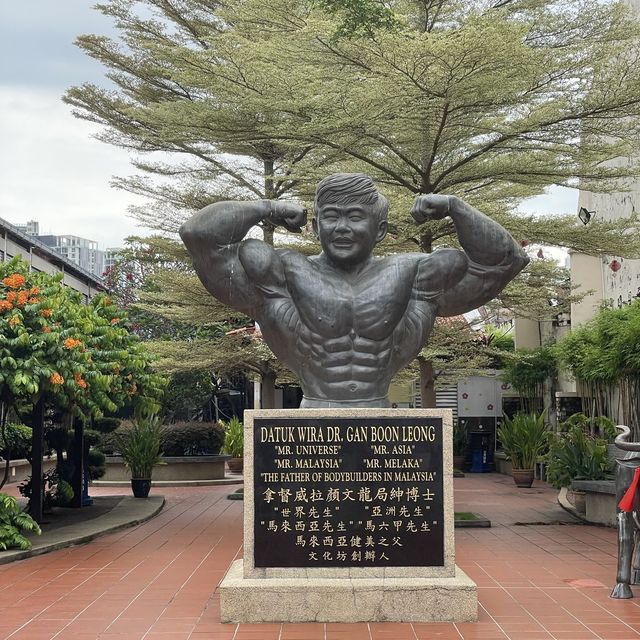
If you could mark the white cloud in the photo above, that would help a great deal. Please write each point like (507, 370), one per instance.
(55, 172)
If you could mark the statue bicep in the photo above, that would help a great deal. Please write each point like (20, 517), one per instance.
(261, 263)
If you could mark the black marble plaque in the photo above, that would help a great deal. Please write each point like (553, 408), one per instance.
(357, 492)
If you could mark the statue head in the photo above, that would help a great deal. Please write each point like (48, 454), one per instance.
(350, 217)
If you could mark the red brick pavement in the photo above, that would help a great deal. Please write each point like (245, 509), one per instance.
(157, 581)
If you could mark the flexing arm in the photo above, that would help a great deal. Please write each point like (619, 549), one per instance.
(235, 270)
(494, 258)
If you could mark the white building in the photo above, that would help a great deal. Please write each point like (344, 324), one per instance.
(83, 252)
(30, 228)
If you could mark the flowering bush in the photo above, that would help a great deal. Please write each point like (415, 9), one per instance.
(79, 358)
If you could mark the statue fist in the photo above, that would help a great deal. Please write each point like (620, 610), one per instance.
(290, 215)
(430, 207)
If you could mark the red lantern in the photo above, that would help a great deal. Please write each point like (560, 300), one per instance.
(615, 266)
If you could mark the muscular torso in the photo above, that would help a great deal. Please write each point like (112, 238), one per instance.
(346, 335)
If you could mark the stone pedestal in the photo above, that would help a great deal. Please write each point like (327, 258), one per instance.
(243, 599)
(348, 518)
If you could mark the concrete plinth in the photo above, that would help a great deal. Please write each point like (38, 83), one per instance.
(351, 464)
(451, 599)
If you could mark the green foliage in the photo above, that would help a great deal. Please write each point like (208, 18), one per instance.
(576, 455)
(460, 438)
(193, 439)
(524, 438)
(106, 424)
(250, 99)
(57, 492)
(17, 441)
(96, 464)
(527, 370)
(358, 17)
(13, 521)
(80, 357)
(596, 426)
(604, 357)
(141, 445)
(188, 395)
(233, 438)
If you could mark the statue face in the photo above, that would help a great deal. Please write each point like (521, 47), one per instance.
(348, 232)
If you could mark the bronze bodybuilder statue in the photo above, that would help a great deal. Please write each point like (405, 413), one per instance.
(346, 321)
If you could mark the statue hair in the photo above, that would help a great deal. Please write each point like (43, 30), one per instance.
(346, 188)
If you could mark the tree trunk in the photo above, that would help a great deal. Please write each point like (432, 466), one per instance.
(78, 460)
(427, 384)
(37, 488)
(268, 390)
(3, 431)
(269, 193)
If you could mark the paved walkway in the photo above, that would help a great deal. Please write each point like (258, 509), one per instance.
(547, 577)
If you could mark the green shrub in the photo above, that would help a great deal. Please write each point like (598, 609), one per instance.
(460, 438)
(13, 521)
(193, 439)
(18, 442)
(576, 455)
(96, 464)
(57, 492)
(233, 438)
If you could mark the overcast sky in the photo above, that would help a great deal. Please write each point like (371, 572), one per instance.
(51, 168)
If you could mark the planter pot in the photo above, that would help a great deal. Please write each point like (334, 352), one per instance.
(523, 477)
(236, 465)
(140, 487)
(578, 499)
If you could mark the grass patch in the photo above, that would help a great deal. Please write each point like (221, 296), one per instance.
(466, 515)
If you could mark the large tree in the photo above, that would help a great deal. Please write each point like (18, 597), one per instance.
(490, 101)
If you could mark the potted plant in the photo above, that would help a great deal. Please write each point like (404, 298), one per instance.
(460, 444)
(577, 453)
(524, 439)
(234, 444)
(141, 449)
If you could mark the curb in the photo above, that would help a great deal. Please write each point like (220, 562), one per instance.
(127, 513)
(563, 501)
(171, 483)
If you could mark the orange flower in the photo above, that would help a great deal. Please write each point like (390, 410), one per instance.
(14, 321)
(5, 305)
(14, 281)
(46, 329)
(70, 343)
(34, 300)
(114, 320)
(22, 298)
(46, 313)
(11, 296)
(79, 381)
(56, 378)
(34, 291)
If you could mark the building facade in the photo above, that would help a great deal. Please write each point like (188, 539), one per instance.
(43, 258)
(83, 252)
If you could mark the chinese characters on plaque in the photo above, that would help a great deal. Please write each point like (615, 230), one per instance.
(337, 492)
